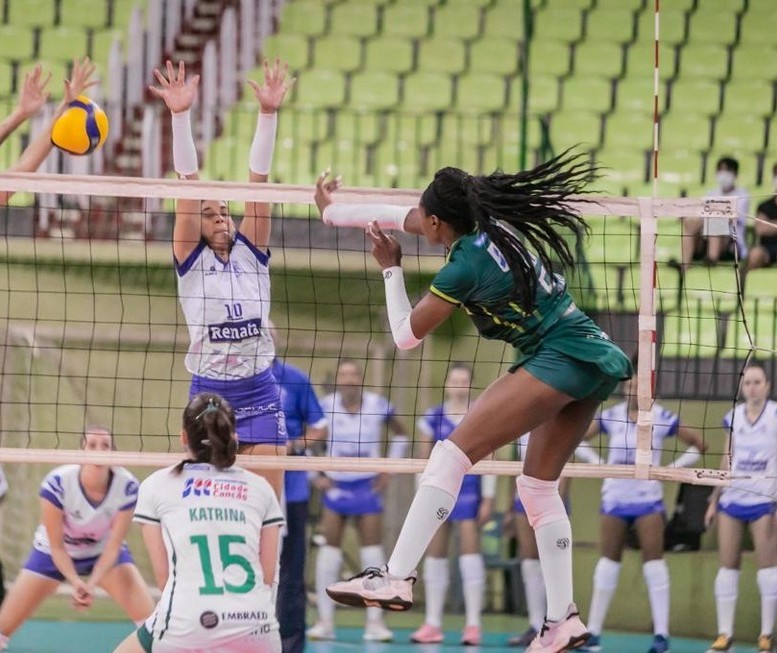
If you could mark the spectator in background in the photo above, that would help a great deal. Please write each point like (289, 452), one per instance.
(697, 245)
(764, 253)
(305, 423)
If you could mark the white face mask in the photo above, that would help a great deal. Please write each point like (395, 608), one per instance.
(725, 179)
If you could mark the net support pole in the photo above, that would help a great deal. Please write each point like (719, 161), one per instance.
(646, 346)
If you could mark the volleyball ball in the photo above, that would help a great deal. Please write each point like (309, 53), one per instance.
(82, 128)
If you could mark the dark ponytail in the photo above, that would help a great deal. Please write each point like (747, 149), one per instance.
(533, 204)
(209, 423)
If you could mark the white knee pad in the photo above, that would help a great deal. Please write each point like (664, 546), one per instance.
(767, 582)
(727, 584)
(446, 468)
(541, 501)
(373, 556)
(606, 574)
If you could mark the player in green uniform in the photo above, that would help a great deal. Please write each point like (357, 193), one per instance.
(500, 231)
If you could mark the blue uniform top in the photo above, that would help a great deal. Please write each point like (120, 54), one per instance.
(301, 407)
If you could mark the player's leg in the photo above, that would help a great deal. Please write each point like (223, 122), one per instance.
(764, 536)
(27, 593)
(273, 476)
(531, 574)
(370, 529)
(436, 582)
(473, 579)
(757, 257)
(126, 587)
(730, 531)
(131, 644)
(650, 532)
(329, 562)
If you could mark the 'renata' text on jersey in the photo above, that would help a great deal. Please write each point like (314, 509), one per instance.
(226, 304)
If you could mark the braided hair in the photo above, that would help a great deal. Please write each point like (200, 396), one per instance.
(516, 211)
(209, 422)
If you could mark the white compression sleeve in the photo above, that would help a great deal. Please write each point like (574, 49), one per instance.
(263, 145)
(360, 215)
(184, 150)
(686, 459)
(399, 308)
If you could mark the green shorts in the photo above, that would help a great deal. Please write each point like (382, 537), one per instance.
(577, 358)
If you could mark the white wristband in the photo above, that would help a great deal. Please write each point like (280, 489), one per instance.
(184, 150)
(588, 454)
(360, 215)
(398, 446)
(263, 145)
(488, 487)
(398, 308)
(688, 458)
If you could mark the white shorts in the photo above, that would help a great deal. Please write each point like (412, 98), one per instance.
(251, 643)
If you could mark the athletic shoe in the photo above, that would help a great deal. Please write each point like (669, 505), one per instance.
(660, 645)
(765, 644)
(592, 644)
(377, 632)
(721, 643)
(427, 634)
(374, 588)
(471, 636)
(321, 632)
(566, 634)
(523, 640)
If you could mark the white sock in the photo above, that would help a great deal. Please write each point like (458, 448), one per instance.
(605, 581)
(534, 589)
(373, 556)
(726, 589)
(554, 543)
(329, 561)
(473, 583)
(656, 575)
(436, 581)
(767, 584)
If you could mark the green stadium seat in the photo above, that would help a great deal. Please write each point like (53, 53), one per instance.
(690, 130)
(23, 39)
(102, 42)
(59, 70)
(6, 79)
(758, 28)
(548, 58)
(474, 3)
(678, 169)
(219, 159)
(760, 284)
(462, 155)
(710, 25)
(558, 24)
(507, 136)
(691, 333)
(439, 55)
(552, 5)
(611, 241)
(494, 55)
(761, 332)
(467, 129)
(592, 94)
(673, 24)
(425, 91)
(635, 94)
(377, 3)
(337, 52)
(701, 97)
(83, 13)
(303, 125)
(640, 60)
(293, 163)
(504, 20)
(740, 133)
(425, 3)
(11, 149)
(388, 53)
(669, 247)
(598, 58)
(629, 130)
(408, 20)
(543, 94)
(30, 13)
(374, 90)
(610, 25)
(711, 286)
(240, 122)
(457, 21)
(321, 88)
(704, 61)
(354, 19)
(360, 127)
(756, 62)
(304, 17)
(569, 127)
(62, 43)
(622, 167)
(481, 92)
(121, 10)
(344, 158)
(613, 5)
(397, 164)
(730, 6)
(749, 98)
(418, 129)
(292, 48)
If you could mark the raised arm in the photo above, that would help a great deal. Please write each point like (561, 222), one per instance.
(31, 99)
(256, 223)
(179, 94)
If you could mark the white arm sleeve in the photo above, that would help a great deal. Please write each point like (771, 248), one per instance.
(184, 150)
(263, 145)
(686, 459)
(588, 454)
(360, 215)
(488, 487)
(398, 308)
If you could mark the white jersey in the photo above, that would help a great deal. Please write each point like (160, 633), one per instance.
(3, 484)
(211, 521)
(753, 451)
(227, 305)
(622, 450)
(359, 434)
(86, 525)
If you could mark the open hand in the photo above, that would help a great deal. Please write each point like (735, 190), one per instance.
(324, 189)
(709, 515)
(386, 250)
(272, 92)
(177, 92)
(33, 94)
(80, 79)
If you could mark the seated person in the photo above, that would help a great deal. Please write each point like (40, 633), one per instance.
(764, 253)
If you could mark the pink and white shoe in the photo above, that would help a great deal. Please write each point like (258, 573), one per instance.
(427, 634)
(471, 636)
(566, 634)
(375, 588)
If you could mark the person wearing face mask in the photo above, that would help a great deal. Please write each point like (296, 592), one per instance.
(696, 244)
(764, 253)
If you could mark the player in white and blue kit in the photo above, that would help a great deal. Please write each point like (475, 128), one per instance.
(357, 424)
(472, 509)
(748, 502)
(223, 274)
(86, 513)
(627, 502)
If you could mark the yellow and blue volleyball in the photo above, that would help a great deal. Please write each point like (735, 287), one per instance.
(82, 128)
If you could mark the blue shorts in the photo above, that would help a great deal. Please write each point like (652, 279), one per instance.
(350, 498)
(631, 512)
(257, 404)
(43, 564)
(747, 513)
(468, 503)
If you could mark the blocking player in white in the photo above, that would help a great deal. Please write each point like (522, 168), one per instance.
(86, 511)
(627, 502)
(752, 441)
(223, 273)
(212, 533)
(357, 421)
